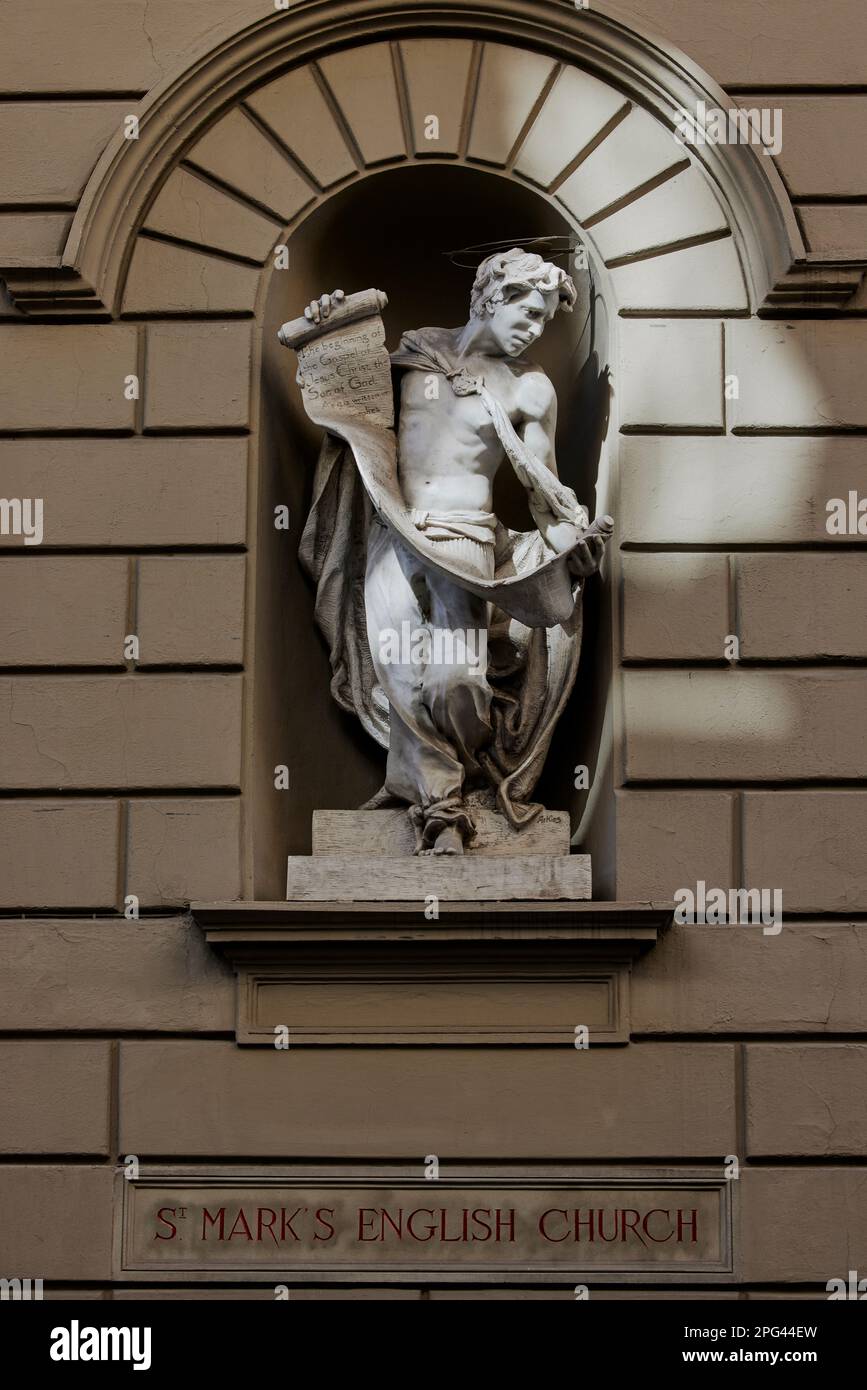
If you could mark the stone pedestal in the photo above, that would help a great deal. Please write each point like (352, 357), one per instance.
(367, 856)
(388, 832)
(349, 878)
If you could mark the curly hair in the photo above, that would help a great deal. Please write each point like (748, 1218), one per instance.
(508, 273)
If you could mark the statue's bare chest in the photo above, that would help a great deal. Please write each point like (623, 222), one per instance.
(504, 385)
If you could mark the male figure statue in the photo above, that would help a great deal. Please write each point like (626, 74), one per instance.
(469, 713)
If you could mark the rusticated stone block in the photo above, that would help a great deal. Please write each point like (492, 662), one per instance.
(806, 1102)
(59, 854)
(671, 374)
(112, 975)
(802, 1225)
(198, 376)
(793, 609)
(811, 845)
(131, 492)
(675, 607)
(744, 725)
(66, 378)
(76, 607)
(734, 489)
(56, 1221)
(183, 850)
(803, 375)
(54, 1097)
(126, 731)
(737, 980)
(668, 840)
(48, 148)
(191, 610)
(359, 1102)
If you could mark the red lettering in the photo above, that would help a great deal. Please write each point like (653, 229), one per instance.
(588, 1221)
(479, 1216)
(286, 1223)
(602, 1235)
(659, 1240)
(165, 1220)
(362, 1222)
(510, 1222)
(419, 1211)
(395, 1225)
(219, 1221)
(241, 1222)
(322, 1221)
(631, 1225)
(553, 1211)
(262, 1225)
(693, 1221)
(444, 1226)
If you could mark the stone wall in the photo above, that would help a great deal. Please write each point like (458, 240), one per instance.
(132, 778)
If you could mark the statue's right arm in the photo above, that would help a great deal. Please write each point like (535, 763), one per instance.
(319, 309)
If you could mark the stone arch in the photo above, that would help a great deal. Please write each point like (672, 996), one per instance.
(548, 92)
(615, 172)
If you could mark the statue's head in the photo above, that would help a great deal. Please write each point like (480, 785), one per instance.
(517, 293)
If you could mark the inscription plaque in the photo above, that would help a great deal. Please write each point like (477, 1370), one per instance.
(448, 1230)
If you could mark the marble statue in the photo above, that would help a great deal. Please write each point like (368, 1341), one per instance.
(454, 639)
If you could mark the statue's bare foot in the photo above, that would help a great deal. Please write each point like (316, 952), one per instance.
(449, 841)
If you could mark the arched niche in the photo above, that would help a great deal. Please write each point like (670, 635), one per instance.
(392, 230)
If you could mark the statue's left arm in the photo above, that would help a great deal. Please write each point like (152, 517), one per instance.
(539, 435)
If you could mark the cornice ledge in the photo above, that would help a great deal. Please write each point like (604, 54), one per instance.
(483, 974)
(815, 285)
(55, 292)
(239, 925)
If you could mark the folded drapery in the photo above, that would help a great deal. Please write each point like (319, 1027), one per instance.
(448, 526)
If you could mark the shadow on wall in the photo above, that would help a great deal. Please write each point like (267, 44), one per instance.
(391, 231)
(725, 537)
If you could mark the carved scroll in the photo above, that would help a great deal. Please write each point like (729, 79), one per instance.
(343, 366)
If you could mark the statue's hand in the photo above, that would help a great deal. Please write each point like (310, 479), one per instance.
(587, 557)
(319, 309)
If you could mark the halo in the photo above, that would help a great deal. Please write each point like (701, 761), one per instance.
(554, 248)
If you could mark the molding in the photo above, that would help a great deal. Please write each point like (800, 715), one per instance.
(483, 975)
(243, 922)
(338, 1189)
(89, 280)
(56, 292)
(814, 286)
